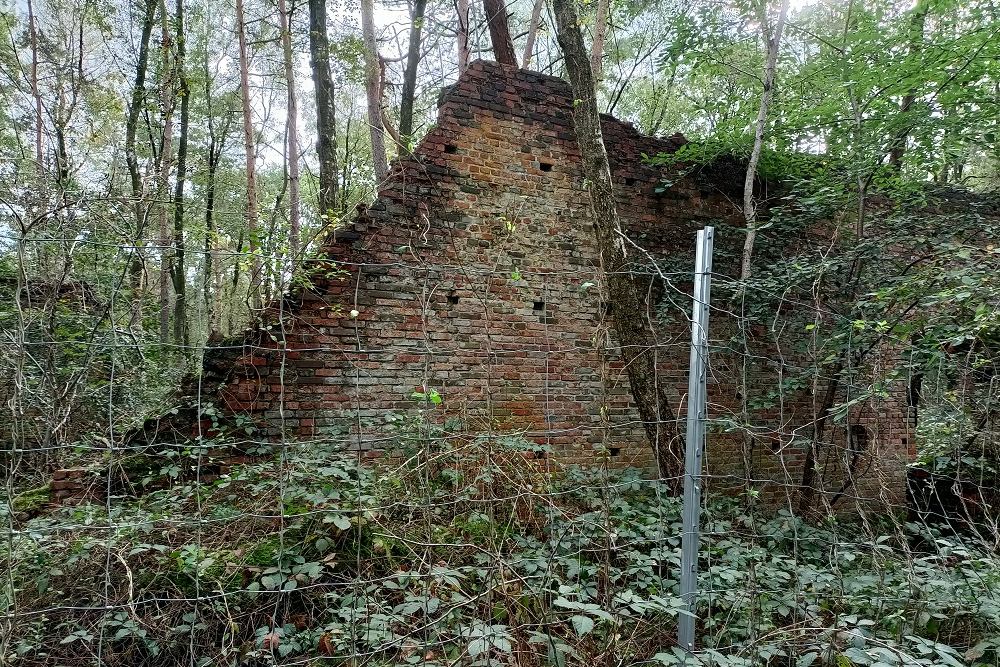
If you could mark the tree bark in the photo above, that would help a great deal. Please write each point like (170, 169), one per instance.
(600, 32)
(410, 74)
(638, 346)
(291, 135)
(135, 178)
(211, 281)
(326, 121)
(33, 39)
(749, 204)
(462, 7)
(372, 87)
(179, 272)
(250, 151)
(533, 24)
(163, 172)
(496, 19)
(898, 148)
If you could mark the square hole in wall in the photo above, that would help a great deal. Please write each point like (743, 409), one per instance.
(453, 299)
(857, 438)
(614, 451)
(545, 166)
(451, 149)
(630, 182)
(538, 306)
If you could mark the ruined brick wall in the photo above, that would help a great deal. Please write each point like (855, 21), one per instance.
(474, 274)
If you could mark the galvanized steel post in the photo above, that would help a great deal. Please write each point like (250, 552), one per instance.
(695, 445)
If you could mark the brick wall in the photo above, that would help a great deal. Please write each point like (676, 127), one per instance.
(474, 274)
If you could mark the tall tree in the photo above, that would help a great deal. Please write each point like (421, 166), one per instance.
(35, 94)
(600, 34)
(326, 121)
(291, 134)
(163, 170)
(250, 153)
(773, 40)
(533, 25)
(178, 268)
(917, 21)
(410, 73)
(630, 323)
(462, 34)
(135, 108)
(373, 90)
(211, 281)
(496, 19)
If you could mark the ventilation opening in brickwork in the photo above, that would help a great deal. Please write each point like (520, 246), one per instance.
(545, 166)
(450, 148)
(629, 181)
(453, 299)
(538, 306)
(857, 438)
(614, 451)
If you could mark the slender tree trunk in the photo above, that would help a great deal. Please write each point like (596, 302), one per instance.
(372, 88)
(749, 204)
(166, 153)
(410, 74)
(533, 24)
(136, 103)
(917, 22)
(463, 34)
(496, 19)
(326, 122)
(638, 346)
(250, 151)
(210, 240)
(33, 39)
(292, 139)
(211, 281)
(600, 33)
(179, 269)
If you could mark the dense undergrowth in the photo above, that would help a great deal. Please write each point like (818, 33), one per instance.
(474, 555)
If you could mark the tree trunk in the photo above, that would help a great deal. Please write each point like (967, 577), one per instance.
(326, 122)
(211, 313)
(749, 204)
(496, 19)
(179, 274)
(291, 138)
(533, 24)
(211, 281)
(410, 74)
(135, 178)
(917, 21)
(163, 187)
(250, 151)
(372, 88)
(33, 38)
(600, 32)
(463, 34)
(638, 346)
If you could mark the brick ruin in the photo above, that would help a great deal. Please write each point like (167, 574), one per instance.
(474, 275)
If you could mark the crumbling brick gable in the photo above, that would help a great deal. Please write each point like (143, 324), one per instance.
(475, 275)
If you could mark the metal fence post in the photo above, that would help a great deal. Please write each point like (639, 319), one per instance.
(696, 416)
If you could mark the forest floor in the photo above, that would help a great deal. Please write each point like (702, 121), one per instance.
(471, 556)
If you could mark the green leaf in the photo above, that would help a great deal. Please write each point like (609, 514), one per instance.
(582, 624)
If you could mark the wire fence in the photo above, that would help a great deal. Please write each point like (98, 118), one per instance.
(441, 463)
